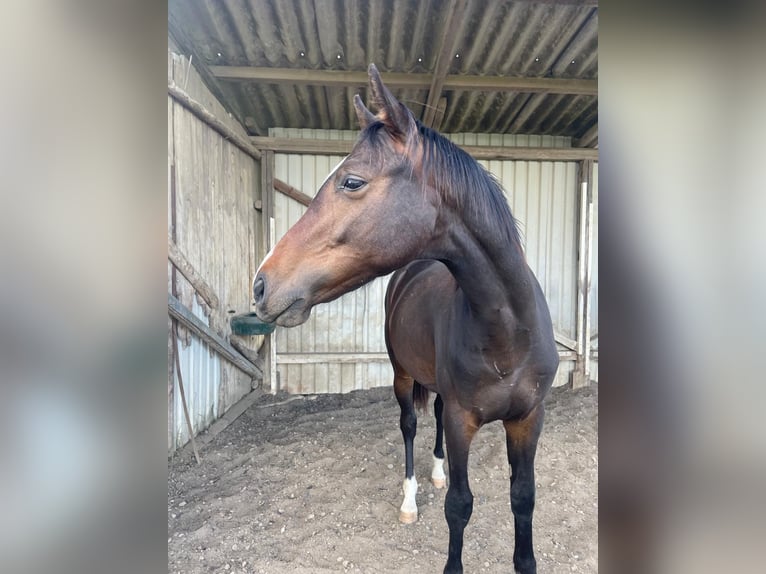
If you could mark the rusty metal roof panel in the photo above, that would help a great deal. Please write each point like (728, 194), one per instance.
(503, 38)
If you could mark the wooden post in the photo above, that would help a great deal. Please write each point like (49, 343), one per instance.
(268, 349)
(588, 272)
(581, 374)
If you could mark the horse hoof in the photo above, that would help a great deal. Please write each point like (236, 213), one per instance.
(439, 482)
(408, 517)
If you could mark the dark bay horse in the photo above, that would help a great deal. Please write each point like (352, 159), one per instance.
(465, 316)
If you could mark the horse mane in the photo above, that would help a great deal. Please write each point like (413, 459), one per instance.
(461, 180)
(467, 185)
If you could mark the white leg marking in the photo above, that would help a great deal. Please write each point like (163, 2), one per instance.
(408, 513)
(437, 474)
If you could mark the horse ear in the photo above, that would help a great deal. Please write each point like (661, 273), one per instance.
(394, 114)
(366, 117)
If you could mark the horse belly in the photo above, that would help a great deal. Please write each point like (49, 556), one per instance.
(416, 302)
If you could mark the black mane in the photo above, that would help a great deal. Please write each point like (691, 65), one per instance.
(467, 185)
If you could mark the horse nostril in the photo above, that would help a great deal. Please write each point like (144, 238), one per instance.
(259, 287)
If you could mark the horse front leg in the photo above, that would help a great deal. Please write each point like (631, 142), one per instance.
(460, 427)
(408, 423)
(521, 441)
(438, 478)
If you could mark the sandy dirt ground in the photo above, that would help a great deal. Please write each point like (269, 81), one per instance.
(315, 485)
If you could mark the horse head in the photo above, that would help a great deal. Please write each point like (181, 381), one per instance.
(372, 215)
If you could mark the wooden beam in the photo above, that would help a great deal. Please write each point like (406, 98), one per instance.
(343, 79)
(523, 85)
(229, 417)
(312, 147)
(184, 266)
(327, 78)
(179, 312)
(570, 344)
(531, 153)
(566, 355)
(343, 147)
(250, 354)
(582, 3)
(443, 60)
(290, 191)
(589, 138)
(317, 358)
(208, 118)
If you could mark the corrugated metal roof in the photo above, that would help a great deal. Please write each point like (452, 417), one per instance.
(503, 38)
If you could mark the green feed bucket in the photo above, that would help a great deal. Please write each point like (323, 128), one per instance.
(250, 324)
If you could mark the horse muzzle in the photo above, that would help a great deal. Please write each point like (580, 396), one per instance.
(286, 309)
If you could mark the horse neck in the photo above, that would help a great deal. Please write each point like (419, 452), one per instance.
(493, 275)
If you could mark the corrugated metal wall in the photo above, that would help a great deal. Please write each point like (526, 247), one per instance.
(341, 347)
(211, 188)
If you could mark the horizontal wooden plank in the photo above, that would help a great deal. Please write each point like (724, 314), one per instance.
(343, 147)
(565, 341)
(179, 312)
(314, 358)
(304, 146)
(290, 191)
(319, 358)
(532, 153)
(342, 78)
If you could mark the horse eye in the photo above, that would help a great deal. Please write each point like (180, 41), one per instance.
(352, 183)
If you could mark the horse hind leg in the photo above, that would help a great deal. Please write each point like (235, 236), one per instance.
(438, 478)
(408, 422)
(521, 441)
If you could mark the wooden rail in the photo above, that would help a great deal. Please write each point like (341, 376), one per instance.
(189, 320)
(343, 147)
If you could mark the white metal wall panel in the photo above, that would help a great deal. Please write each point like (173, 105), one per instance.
(543, 198)
(201, 373)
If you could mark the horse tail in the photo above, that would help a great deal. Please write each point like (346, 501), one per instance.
(420, 396)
